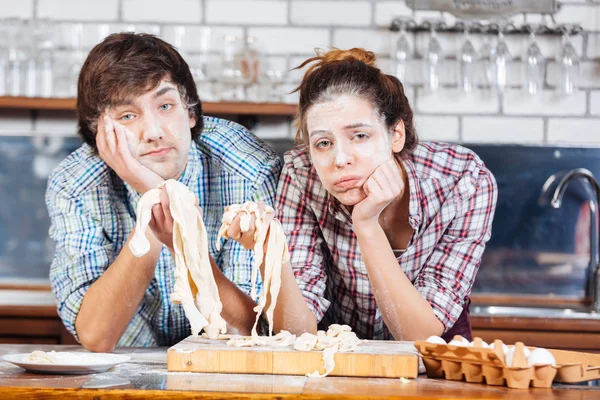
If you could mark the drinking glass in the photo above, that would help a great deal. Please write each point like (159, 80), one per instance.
(434, 59)
(401, 54)
(569, 66)
(535, 66)
(500, 57)
(467, 58)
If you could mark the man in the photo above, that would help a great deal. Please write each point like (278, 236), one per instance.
(141, 119)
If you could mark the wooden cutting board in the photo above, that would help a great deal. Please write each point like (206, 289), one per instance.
(373, 358)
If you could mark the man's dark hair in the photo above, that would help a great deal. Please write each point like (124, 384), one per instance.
(124, 66)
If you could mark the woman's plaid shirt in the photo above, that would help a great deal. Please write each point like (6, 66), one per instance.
(452, 201)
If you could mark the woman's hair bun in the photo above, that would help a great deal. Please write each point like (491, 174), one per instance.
(354, 54)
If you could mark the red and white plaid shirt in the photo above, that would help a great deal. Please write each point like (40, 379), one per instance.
(452, 201)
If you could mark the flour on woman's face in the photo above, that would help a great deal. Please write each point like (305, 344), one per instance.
(347, 141)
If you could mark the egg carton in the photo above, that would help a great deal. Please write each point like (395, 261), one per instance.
(479, 364)
(576, 367)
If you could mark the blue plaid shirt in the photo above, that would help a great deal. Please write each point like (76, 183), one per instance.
(93, 212)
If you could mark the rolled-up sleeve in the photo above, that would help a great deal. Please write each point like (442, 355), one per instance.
(447, 277)
(82, 254)
(304, 240)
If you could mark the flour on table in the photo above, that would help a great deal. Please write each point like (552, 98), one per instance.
(195, 287)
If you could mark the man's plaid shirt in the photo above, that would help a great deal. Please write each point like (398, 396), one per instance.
(452, 202)
(93, 212)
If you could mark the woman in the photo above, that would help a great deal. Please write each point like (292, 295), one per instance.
(385, 234)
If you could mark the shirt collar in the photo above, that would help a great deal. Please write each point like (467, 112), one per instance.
(415, 206)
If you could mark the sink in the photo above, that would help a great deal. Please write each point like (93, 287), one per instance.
(532, 312)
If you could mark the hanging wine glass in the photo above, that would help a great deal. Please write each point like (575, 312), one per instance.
(535, 65)
(401, 54)
(500, 58)
(434, 59)
(487, 67)
(467, 59)
(569, 66)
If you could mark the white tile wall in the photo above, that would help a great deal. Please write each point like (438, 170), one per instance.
(574, 131)
(18, 9)
(357, 13)
(77, 10)
(386, 11)
(177, 11)
(503, 130)
(595, 103)
(593, 47)
(550, 103)
(256, 12)
(379, 41)
(453, 101)
(587, 15)
(290, 40)
(436, 128)
(288, 31)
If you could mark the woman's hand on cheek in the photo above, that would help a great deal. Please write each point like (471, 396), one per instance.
(383, 186)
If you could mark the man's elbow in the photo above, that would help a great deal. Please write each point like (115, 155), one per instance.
(96, 343)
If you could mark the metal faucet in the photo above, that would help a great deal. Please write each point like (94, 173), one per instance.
(563, 179)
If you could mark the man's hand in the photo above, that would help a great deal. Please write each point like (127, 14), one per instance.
(383, 186)
(162, 221)
(246, 239)
(111, 140)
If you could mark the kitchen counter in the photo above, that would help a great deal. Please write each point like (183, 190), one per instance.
(145, 376)
(33, 313)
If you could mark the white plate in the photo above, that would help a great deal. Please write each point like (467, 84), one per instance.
(104, 362)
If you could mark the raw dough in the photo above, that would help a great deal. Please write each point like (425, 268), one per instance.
(277, 255)
(195, 287)
(41, 357)
(338, 338)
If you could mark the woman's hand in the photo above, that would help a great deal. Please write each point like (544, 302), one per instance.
(246, 239)
(383, 186)
(111, 140)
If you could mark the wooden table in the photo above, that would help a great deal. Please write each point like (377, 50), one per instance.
(146, 377)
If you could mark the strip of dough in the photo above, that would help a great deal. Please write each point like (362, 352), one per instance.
(195, 287)
(277, 255)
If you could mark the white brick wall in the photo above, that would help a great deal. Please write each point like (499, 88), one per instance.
(385, 11)
(453, 101)
(20, 9)
(503, 130)
(379, 41)
(331, 13)
(177, 11)
(442, 129)
(290, 40)
(574, 131)
(256, 12)
(595, 104)
(550, 103)
(588, 15)
(288, 31)
(77, 10)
